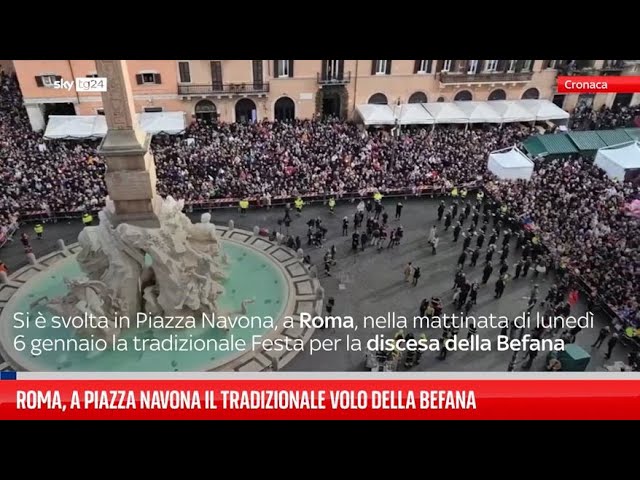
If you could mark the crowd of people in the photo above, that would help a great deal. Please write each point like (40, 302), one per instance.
(308, 157)
(573, 203)
(39, 176)
(580, 214)
(304, 157)
(584, 117)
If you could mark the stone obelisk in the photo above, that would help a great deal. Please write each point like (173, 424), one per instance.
(131, 173)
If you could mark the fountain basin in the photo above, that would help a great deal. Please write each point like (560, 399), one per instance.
(260, 270)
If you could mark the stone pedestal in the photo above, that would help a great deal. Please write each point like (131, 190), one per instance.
(131, 174)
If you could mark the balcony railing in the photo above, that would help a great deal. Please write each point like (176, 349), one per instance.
(224, 89)
(586, 72)
(334, 79)
(617, 66)
(488, 77)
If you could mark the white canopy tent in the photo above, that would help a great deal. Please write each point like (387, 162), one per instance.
(95, 126)
(479, 112)
(75, 126)
(510, 164)
(617, 160)
(446, 112)
(413, 114)
(171, 123)
(511, 111)
(545, 110)
(373, 114)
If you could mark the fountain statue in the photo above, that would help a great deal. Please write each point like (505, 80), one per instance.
(182, 279)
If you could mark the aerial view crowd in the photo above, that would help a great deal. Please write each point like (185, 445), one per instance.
(575, 207)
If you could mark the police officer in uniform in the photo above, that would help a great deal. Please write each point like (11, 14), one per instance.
(456, 231)
(87, 219)
(298, 203)
(332, 205)
(39, 229)
(244, 205)
(441, 209)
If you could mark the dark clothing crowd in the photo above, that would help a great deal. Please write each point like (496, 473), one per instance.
(580, 215)
(584, 117)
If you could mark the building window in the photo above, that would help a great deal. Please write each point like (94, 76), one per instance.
(378, 99)
(100, 111)
(423, 66)
(418, 97)
(526, 65)
(145, 78)
(512, 66)
(446, 65)
(152, 109)
(47, 80)
(463, 96)
(381, 67)
(472, 67)
(498, 94)
(613, 64)
(185, 72)
(332, 70)
(531, 94)
(492, 65)
(257, 74)
(283, 68)
(216, 75)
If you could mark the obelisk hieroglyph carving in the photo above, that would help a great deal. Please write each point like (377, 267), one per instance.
(131, 174)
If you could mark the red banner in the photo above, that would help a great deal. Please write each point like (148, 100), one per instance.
(319, 399)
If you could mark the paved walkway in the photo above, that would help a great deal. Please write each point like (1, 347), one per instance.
(373, 283)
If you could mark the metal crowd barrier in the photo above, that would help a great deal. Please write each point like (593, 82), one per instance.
(254, 201)
(8, 233)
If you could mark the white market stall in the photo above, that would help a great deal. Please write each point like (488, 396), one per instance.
(544, 110)
(413, 114)
(479, 112)
(619, 160)
(511, 111)
(443, 112)
(510, 164)
(373, 114)
(95, 126)
(75, 126)
(171, 123)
